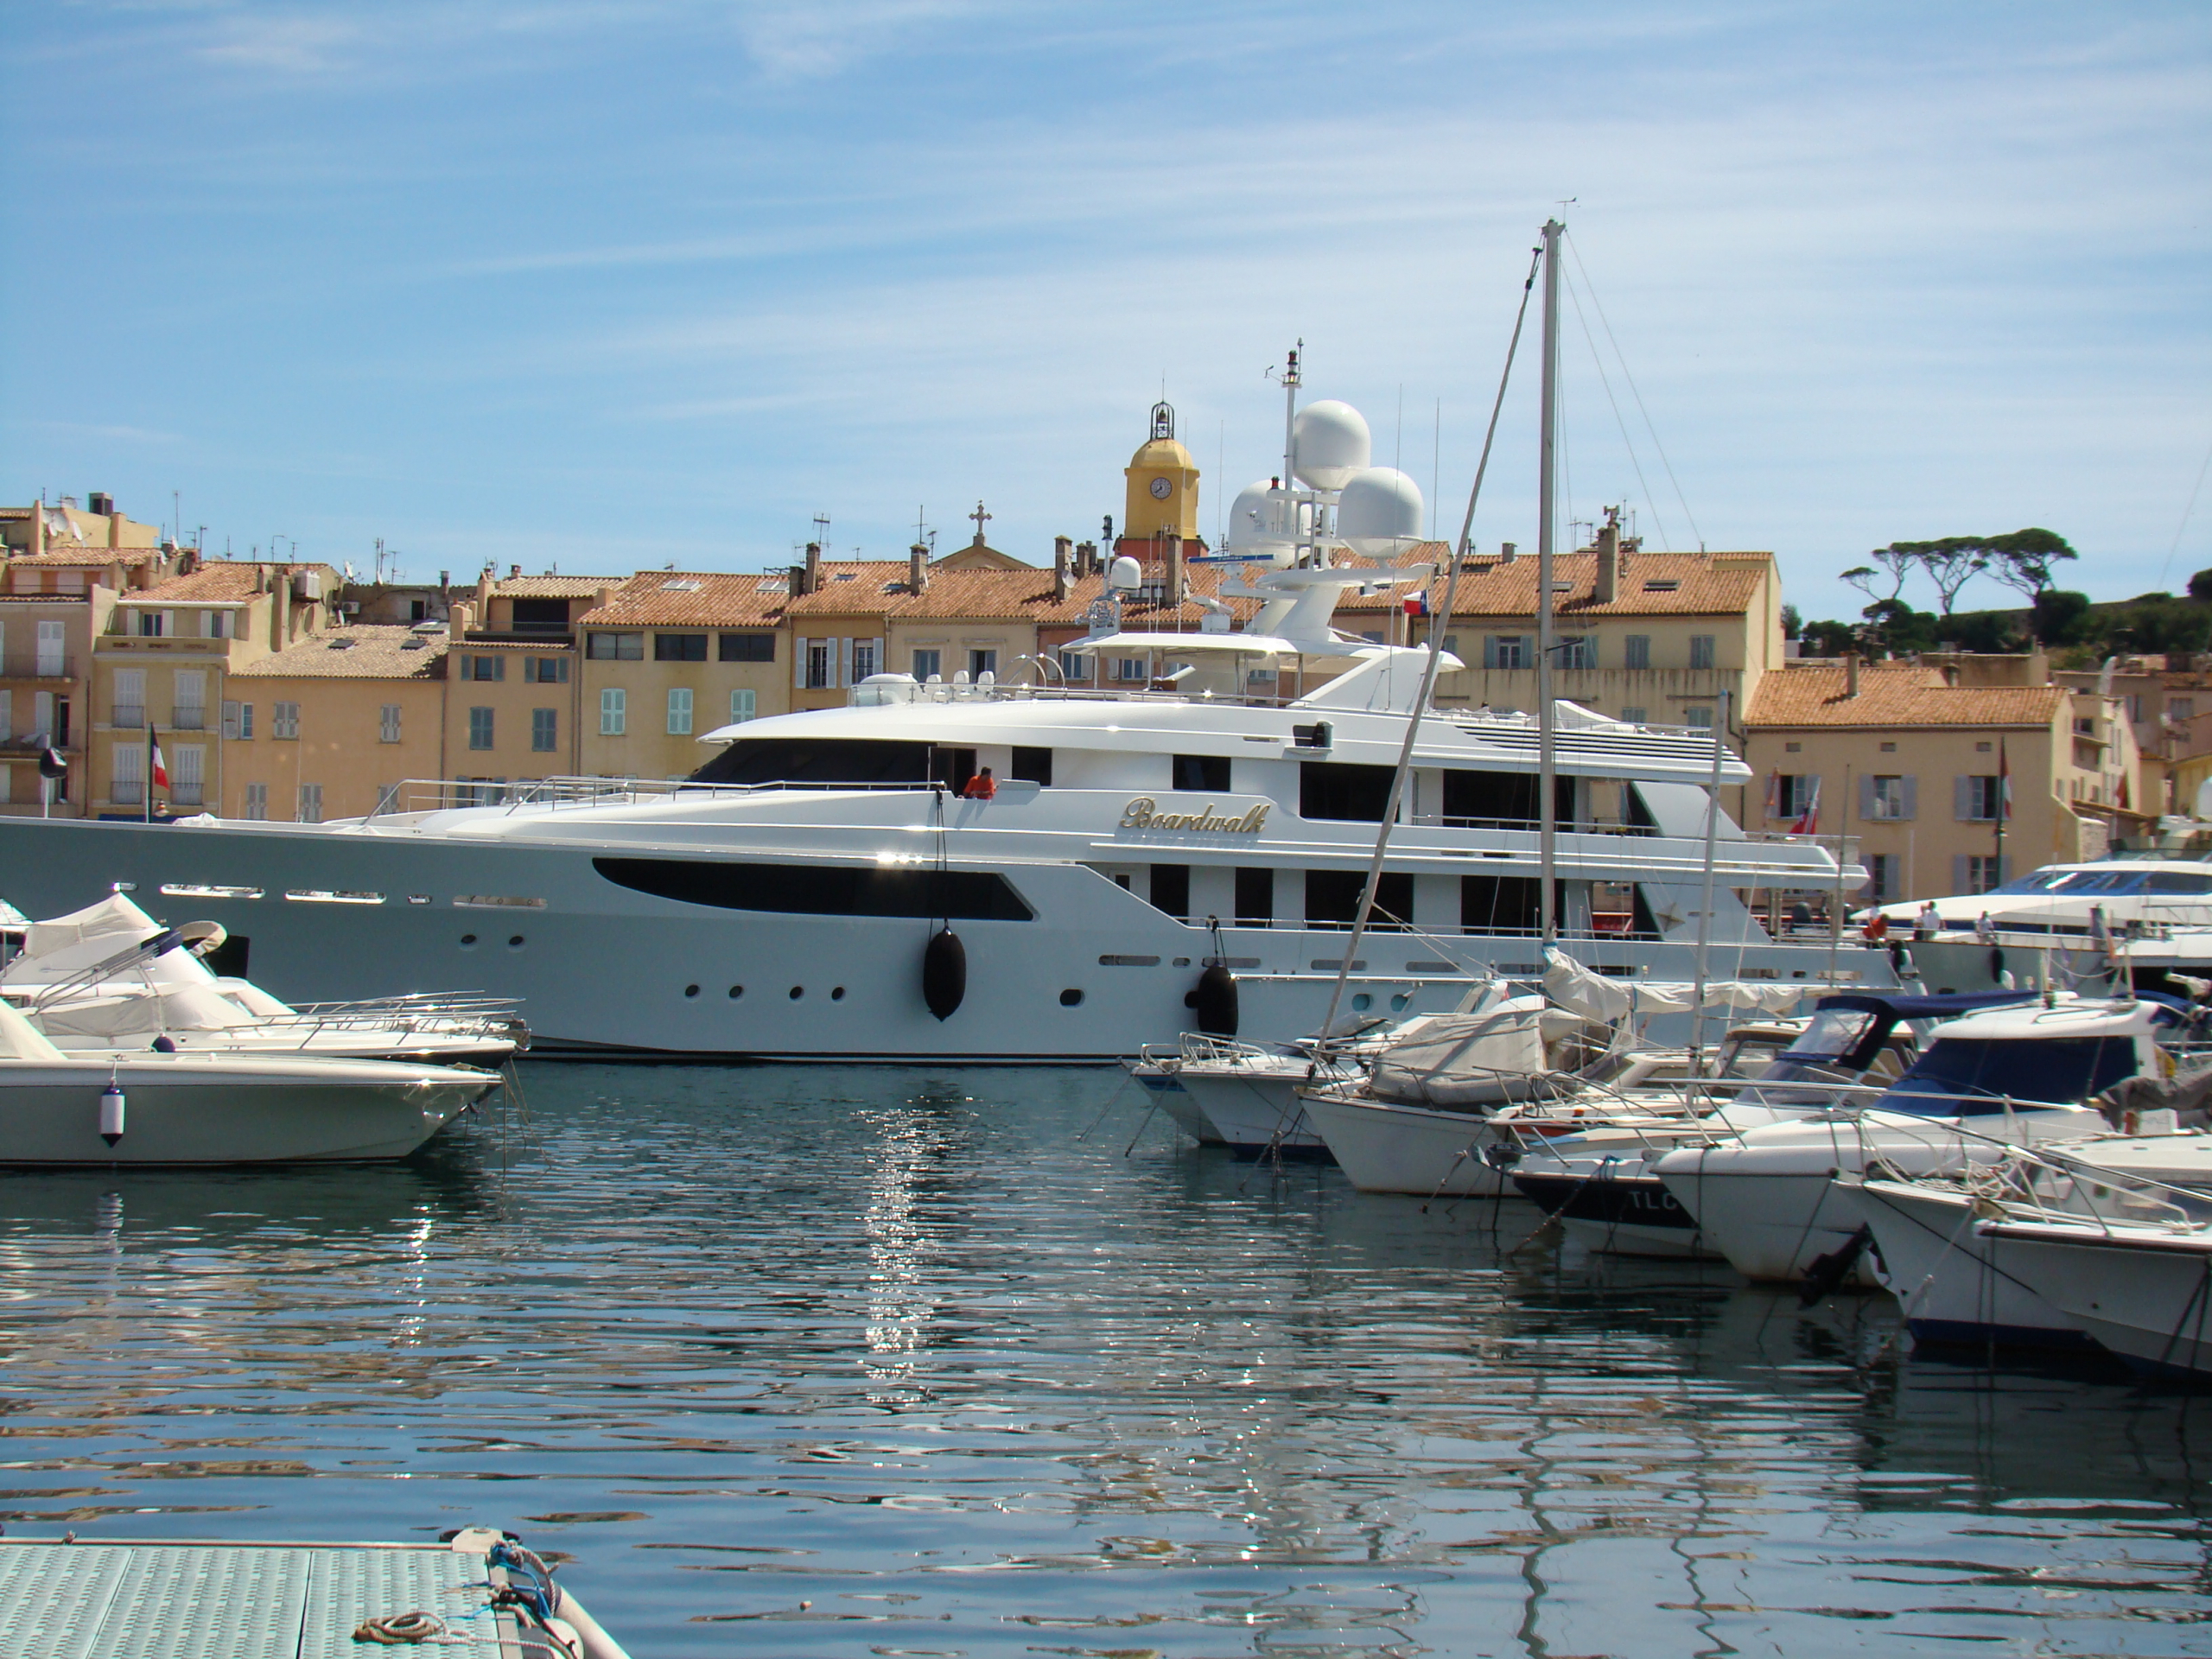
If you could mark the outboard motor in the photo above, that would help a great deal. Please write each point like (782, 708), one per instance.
(944, 973)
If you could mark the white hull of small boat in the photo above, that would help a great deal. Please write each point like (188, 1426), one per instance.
(1384, 1148)
(1254, 1108)
(1952, 1284)
(1769, 1202)
(180, 1109)
(400, 1047)
(2144, 1292)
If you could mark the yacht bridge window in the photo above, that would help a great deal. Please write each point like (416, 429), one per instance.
(819, 761)
(822, 889)
(1333, 898)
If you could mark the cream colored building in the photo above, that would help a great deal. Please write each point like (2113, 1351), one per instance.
(1647, 636)
(1910, 762)
(45, 527)
(162, 667)
(342, 719)
(670, 656)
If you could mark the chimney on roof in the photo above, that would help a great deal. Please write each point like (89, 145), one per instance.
(917, 569)
(1063, 571)
(1507, 552)
(1850, 674)
(1086, 559)
(814, 567)
(513, 571)
(1609, 558)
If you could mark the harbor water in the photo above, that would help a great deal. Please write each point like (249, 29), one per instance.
(815, 1360)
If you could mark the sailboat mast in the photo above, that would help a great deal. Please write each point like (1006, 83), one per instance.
(1546, 764)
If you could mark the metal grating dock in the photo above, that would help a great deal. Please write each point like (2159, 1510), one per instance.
(154, 1600)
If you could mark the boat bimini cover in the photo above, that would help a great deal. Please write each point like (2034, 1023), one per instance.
(132, 1014)
(20, 1040)
(1595, 996)
(70, 944)
(1461, 1061)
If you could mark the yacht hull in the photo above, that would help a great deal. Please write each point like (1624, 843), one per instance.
(183, 1111)
(1953, 1283)
(1617, 1212)
(1254, 1109)
(334, 913)
(2146, 1297)
(1388, 1148)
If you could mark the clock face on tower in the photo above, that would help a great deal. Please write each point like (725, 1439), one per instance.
(1161, 488)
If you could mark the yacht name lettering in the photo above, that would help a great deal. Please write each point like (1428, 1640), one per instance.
(1143, 813)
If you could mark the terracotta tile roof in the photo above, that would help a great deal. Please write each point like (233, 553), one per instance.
(1652, 584)
(221, 579)
(69, 557)
(691, 599)
(375, 651)
(1897, 694)
(879, 590)
(554, 587)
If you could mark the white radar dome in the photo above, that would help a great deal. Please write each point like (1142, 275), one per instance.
(1379, 513)
(1124, 573)
(1329, 443)
(1259, 523)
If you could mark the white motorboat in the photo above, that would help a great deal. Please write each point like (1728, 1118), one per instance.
(2142, 1289)
(1955, 1279)
(148, 1107)
(1769, 1199)
(1600, 1181)
(109, 979)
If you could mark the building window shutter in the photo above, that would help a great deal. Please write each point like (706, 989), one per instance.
(230, 720)
(740, 706)
(1961, 879)
(1910, 806)
(798, 664)
(1962, 799)
(844, 662)
(1489, 651)
(1866, 798)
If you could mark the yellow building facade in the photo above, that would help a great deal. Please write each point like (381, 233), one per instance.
(340, 722)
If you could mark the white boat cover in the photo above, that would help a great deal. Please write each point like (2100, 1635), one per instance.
(1595, 996)
(1461, 1061)
(70, 944)
(168, 1007)
(20, 1039)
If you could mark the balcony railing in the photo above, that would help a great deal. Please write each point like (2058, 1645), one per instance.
(26, 665)
(127, 794)
(130, 715)
(188, 719)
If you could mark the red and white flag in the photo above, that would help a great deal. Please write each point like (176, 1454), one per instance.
(157, 768)
(1808, 820)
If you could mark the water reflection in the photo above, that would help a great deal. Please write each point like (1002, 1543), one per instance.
(908, 1361)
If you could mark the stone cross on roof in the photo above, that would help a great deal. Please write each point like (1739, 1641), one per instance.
(981, 519)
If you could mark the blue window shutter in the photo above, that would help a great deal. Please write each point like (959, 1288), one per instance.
(1960, 879)
(1489, 651)
(1866, 797)
(1911, 785)
(1962, 799)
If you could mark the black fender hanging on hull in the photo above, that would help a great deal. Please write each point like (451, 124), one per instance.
(944, 973)
(1215, 1001)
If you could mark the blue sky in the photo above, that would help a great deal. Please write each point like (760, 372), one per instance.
(611, 285)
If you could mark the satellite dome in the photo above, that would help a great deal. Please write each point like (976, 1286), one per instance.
(1329, 443)
(1124, 573)
(1379, 513)
(1259, 523)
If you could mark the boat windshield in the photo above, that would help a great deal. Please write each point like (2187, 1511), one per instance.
(1831, 1034)
(1975, 1077)
(816, 761)
(2074, 882)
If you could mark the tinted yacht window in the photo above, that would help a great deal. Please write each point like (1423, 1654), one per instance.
(817, 762)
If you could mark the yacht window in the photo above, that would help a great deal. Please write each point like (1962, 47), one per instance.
(1033, 766)
(1171, 889)
(822, 889)
(2036, 881)
(1255, 897)
(2177, 881)
(1971, 1076)
(1332, 897)
(1346, 793)
(1500, 904)
(1830, 1034)
(1200, 773)
(2085, 881)
(816, 761)
(1489, 798)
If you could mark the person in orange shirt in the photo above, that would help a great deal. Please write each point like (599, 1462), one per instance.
(980, 787)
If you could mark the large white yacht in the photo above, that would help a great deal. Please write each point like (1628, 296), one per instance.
(782, 903)
(823, 887)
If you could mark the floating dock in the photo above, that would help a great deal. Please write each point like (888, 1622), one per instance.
(475, 1595)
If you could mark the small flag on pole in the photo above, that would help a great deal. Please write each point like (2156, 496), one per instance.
(2004, 782)
(1809, 816)
(156, 767)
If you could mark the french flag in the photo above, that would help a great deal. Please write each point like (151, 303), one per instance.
(1417, 604)
(157, 768)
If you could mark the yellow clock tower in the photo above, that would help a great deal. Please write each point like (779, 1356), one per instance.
(1163, 491)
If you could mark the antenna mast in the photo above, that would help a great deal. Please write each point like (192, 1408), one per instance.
(1547, 766)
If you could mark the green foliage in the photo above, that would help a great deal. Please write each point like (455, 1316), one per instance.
(1985, 631)
(2060, 618)
(2200, 586)
(1828, 639)
(1791, 622)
